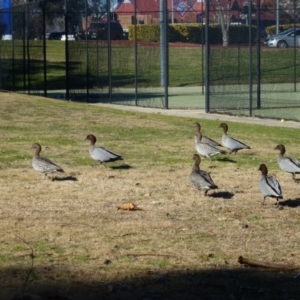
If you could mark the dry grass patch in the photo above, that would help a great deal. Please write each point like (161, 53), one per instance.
(67, 237)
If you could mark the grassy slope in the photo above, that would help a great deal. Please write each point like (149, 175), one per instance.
(182, 246)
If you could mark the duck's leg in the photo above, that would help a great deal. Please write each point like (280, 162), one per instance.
(98, 161)
(263, 203)
(294, 178)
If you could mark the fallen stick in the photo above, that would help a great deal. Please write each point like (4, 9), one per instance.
(150, 254)
(259, 264)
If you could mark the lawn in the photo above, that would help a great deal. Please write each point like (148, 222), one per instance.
(66, 239)
(89, 63)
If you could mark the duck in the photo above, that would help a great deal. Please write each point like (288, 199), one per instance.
(287, 164)
(42, 164)
(203, 149)
(101, 154)
(268, 185)
(206, 139)
(199, 179)
(232, 144)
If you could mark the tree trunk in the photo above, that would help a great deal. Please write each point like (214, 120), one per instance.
(224, 19)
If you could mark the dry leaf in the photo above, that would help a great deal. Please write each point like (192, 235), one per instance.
(129, 206)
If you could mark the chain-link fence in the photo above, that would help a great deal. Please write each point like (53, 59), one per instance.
(255, 79)
(192, 70)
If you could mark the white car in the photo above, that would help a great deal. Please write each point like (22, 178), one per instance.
(287, 38)
(71, 37)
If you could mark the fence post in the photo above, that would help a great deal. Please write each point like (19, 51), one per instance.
(44, 50)
(109, 52)
(250, 58)
(87, 70)
(164, 59)
(207, 75)
(67, 51)
(135, 57)
(295, 48)
(258, 27)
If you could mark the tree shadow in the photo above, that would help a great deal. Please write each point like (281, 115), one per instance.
(220, 283)
(290, 203)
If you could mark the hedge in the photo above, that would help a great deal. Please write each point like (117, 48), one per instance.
(272, 29)
(191, 33)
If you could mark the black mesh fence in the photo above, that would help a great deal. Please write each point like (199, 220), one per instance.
(54, 53)
(254, 78)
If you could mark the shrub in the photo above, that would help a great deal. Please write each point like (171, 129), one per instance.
(191, 33)
(270, 30)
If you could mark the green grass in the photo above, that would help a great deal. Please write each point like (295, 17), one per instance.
(227, 65)
(59, 117)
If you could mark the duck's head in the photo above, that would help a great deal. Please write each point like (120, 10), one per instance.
(224, 126)
(197, 159)
(263, 168)
(281, 149)
(37, 147)
(91, 138)
(197, 126)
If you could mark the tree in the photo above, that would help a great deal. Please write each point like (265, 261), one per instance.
(99, 8)
(223, 12)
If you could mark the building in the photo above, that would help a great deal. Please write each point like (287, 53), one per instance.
(147, 12)
(187, 11)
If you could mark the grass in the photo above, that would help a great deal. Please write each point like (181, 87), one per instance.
(66, 237)
(227, 65)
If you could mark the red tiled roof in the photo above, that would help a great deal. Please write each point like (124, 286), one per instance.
(142, 7)
(151, 7)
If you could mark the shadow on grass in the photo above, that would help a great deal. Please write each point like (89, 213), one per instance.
(113, 167)
(66, 178)
(121, 167)
(58, 281)
(225, 195)
(290, 203)
(226, 159)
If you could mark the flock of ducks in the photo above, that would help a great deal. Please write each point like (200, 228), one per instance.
(207, 147)
(199, 179)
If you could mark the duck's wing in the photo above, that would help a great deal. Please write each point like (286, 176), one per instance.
(232, 143)
(196, 180)
(43, 164)
(209, 141)
(289, 164)
(269, 186)
(201, 180)
(206, 149)
(104, 154)
(206, 176)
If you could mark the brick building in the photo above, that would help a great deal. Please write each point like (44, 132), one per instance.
(186, 11)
